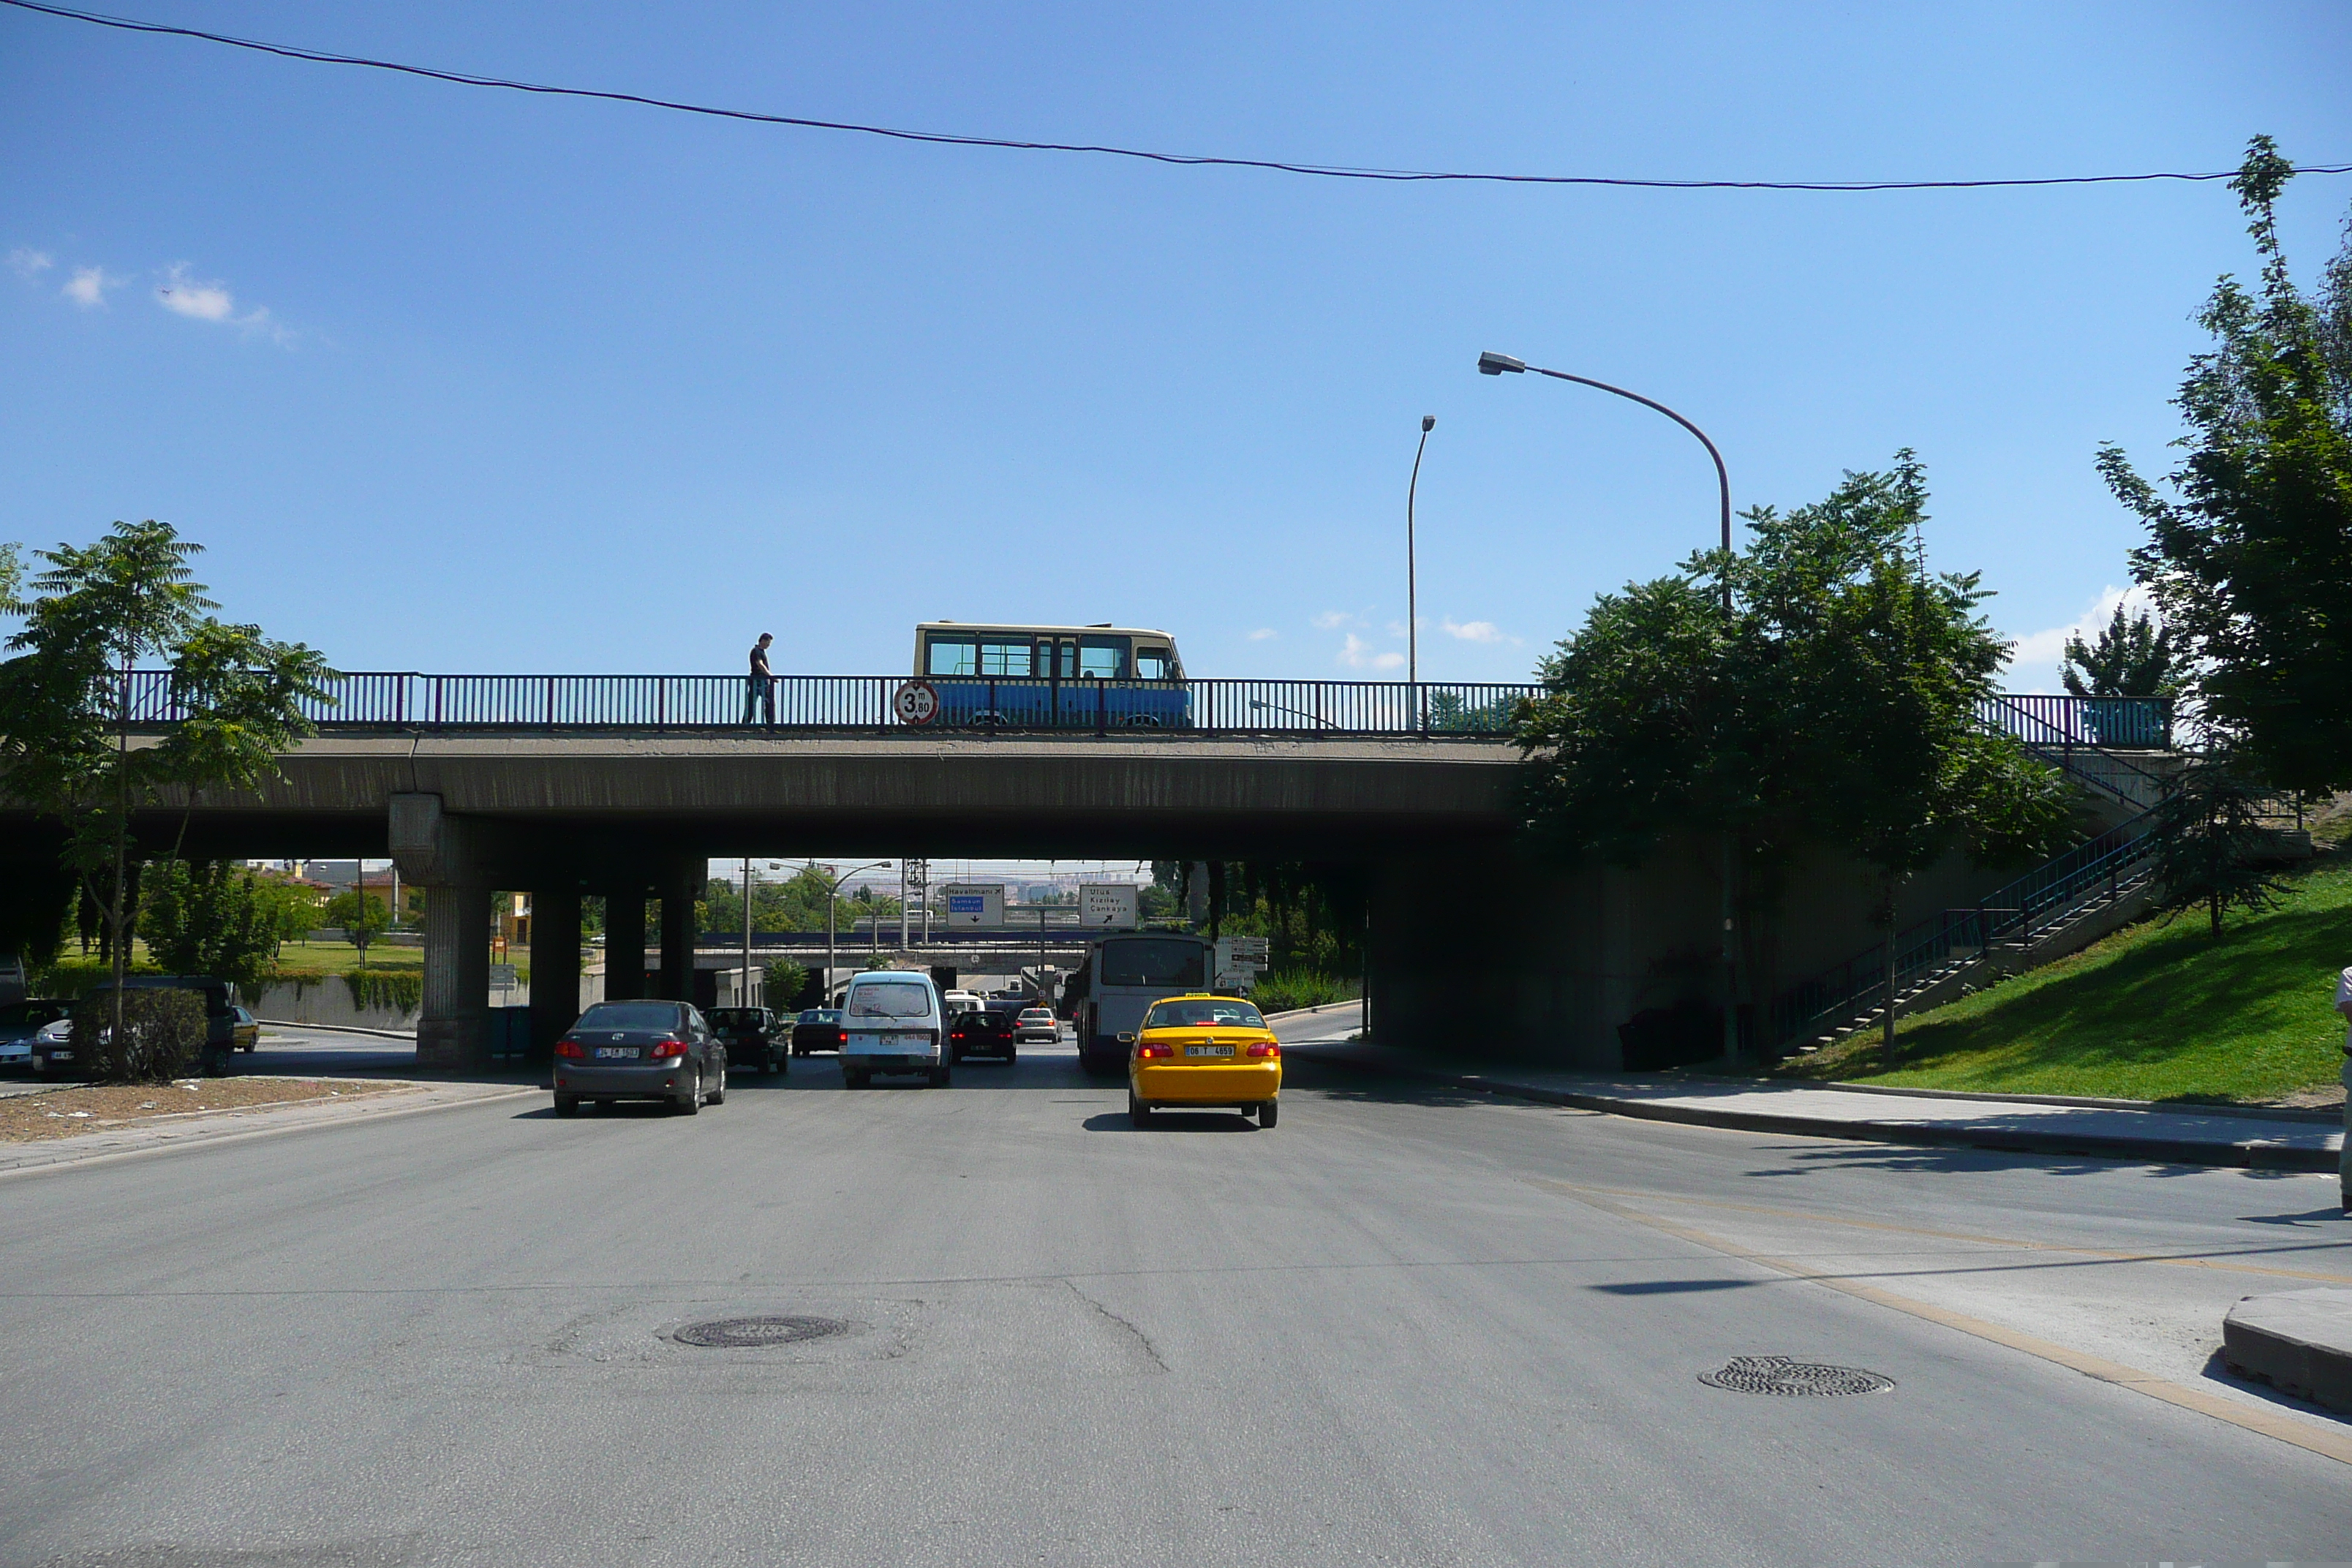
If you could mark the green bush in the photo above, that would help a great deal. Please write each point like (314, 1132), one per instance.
(401, 990)
(1283, 989)
(780, 987)
(161, 1038)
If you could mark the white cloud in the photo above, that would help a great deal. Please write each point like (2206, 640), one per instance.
(87, 285)
(1357, 654)
(1331, 620)
(27, 262)
(212, 301)
(186, 296)
(1476, 631)
(1264, 634)
(2033, 662)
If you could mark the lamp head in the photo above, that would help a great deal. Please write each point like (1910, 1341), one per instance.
(1428, 422)
(1493, 363)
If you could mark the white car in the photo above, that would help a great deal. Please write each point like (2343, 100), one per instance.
(1037, 1026)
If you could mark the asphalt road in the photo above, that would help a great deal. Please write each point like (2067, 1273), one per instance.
(1402, 1328)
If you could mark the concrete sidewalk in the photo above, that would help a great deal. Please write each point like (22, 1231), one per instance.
(2257, 1138)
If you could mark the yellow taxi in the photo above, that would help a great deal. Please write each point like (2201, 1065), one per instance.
(1199, 1051)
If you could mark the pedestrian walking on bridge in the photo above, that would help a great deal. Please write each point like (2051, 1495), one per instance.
(760, 687)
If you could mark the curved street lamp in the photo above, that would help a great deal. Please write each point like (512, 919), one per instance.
(1493, 363)
(1411, 614)
(832, 890)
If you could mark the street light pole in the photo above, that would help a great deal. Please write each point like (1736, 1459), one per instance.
(1412, 587)
(831, 891)
(1492, 363)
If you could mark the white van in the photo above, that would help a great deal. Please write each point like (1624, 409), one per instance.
(964, 1002)
(891, 1022)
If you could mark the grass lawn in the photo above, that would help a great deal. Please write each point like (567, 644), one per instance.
(2154, 1012)
(335, 957)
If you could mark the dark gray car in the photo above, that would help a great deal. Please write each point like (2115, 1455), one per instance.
(640, 1050)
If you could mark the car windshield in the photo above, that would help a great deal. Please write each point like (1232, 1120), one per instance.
(629, 1016)
(1221, 1012)
(890, 999)
(733, 1018)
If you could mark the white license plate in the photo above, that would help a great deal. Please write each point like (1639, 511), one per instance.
(866, 1042)
(616, 1053)
(1208, 1050)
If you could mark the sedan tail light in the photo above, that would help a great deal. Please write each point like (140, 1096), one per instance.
(569, 1048)
(662, 1049)
(1154, 1053)
(1268, 1049)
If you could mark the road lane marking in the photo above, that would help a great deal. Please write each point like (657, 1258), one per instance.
(2265, 1423)
(2175, 1260)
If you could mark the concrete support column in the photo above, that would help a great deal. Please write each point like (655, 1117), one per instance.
(624, 942)
(677, 933)
(454, 1030)
(554, 966)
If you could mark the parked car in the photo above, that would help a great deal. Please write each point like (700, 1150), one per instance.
(20, 1020)
(751, 1036)
(640, 1050)
(1037, 1026)
(1194, 1052)
(891, 1023)
(816, 1029)
(53, 1048)
(245, 1029)
(980, 1033)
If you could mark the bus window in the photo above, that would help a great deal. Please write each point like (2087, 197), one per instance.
(1002, 657)
(951, 656)
(1102, 659)
(1154, 663)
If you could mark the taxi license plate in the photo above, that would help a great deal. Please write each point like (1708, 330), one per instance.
(1208, 1050)
(616, 1053)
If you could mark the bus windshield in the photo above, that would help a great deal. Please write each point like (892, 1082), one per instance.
(1154, 961)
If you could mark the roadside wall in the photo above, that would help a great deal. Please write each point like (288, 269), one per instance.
(327, 1001)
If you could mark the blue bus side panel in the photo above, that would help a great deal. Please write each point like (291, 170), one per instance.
(966, 703)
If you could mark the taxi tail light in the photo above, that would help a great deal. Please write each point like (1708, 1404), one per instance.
(1268, 1049)
(569, 1048)
(1154, 1053)
(667, 1048)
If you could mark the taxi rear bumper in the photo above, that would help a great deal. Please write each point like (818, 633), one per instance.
(1177, 1083)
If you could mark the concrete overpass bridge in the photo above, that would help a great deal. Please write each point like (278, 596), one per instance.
(625, 786)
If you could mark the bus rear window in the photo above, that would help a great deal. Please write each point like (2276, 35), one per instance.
(1154, 961)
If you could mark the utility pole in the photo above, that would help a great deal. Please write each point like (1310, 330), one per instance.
(743, 984)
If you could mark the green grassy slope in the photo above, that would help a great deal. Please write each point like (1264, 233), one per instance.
(2154, 1012)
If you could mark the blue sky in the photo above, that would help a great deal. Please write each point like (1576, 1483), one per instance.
(455, 380)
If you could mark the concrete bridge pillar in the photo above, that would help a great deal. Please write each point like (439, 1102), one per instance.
(450, 859)
(454, 1031)
(554, 966)
(625, 941)
(679, 885)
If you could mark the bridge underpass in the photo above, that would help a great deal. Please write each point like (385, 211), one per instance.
(1467, 941)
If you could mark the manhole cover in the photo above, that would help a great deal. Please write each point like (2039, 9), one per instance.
(1779, 1374)
(755, 1333)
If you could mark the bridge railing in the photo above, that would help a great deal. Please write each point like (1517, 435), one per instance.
(408, 699)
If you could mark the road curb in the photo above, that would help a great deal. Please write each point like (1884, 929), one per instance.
(2298, 1341)
(2250, 1155)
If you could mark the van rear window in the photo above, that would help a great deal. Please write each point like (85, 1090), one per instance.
(1154, 961)
(889, 999)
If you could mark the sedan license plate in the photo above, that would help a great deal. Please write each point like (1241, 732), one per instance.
(616, 1053)
(1208, 1050)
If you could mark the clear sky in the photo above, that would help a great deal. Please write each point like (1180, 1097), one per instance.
(455, 380)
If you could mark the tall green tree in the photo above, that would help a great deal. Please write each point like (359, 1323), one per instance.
(2250, 553)
(2133, 657)
(2210, 842)
(211, 918)
(1832, 702)
(70, 703)
(361, 916)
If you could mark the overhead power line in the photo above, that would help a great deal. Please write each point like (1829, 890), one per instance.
(1322, 171)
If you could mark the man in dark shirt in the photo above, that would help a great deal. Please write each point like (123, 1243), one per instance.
(759, 690)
